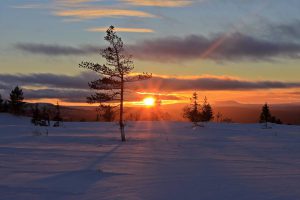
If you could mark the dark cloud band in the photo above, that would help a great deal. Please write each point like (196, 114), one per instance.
(282, 42)
(226, 47)
(75, 88)
(210, 83)
(56, 50)
(47, 80)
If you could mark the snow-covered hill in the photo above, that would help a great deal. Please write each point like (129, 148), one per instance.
(161, 160)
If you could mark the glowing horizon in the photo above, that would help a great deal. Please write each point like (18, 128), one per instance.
(248, 54)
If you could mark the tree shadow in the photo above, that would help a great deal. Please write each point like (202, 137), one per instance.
(77, 181)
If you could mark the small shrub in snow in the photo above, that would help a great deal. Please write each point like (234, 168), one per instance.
(266, 116)
(196, 112)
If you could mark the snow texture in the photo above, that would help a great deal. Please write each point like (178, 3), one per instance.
(161, 160)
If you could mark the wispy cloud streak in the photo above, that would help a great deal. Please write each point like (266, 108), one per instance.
(85, 9)
(89, 13)
(56, 50)
(120, 29)
(159, 3)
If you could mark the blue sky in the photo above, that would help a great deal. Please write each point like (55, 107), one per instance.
(259, 38)
(38, 23)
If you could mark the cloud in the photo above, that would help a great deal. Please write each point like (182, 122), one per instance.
(56, 50)
(4, 86)
(221, 47)
(48, 80)
(77, 10)
(89, 13)
(235, 46)
(66, 95)
(286, 31)
(208, 83)
(74, 2)
(159, 3)
(75, 88)
(161, 96)
(29, 6)
(119, 29)
(84, 3)
(49, 86)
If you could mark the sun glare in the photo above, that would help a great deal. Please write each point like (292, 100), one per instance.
(149, 101)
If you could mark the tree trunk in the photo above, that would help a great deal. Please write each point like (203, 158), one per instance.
(123, 138)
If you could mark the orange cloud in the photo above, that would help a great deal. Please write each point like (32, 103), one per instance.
(159, 3)
(101, 13)
(73, 3)
(118, 29)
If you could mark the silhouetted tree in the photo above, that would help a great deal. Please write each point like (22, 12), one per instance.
(113, 75)
(156, 113)
(1, 103)
(275, 120)
(45, 116)
(107, 112)
(5, 106)
(227, 120)
(57, 117)
(16, 101)
(36, 115)
(134, 116)
(265, 115)
(207, 112)
(41, 118)
(219, 117)
(192, 112)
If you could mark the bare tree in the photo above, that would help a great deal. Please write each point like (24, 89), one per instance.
(113, 74)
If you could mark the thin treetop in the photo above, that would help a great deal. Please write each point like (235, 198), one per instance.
(113, 74)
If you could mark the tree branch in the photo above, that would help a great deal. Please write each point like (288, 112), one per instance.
(140, 77)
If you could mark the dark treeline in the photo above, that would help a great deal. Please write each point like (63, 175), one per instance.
(41, 115)
(15, 104)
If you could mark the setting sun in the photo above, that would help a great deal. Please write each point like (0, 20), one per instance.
(149, 101)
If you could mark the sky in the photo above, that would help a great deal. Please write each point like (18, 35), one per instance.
(227, 50)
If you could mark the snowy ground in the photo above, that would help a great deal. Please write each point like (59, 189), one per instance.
(161, 160)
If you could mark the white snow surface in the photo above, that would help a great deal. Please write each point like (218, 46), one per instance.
(160, 160)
